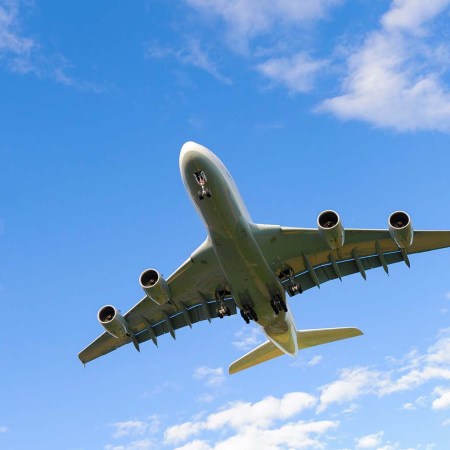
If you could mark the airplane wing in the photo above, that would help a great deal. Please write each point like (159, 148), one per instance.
(192, 286)
(302, 255)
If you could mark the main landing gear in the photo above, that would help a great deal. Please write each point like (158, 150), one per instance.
(201, 179)
(287, 277)
(222, 310)
(248, 313)
(278, 304)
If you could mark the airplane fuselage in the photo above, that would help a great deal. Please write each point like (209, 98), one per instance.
(229, 226)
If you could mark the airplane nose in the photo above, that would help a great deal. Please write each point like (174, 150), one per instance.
(189, 151)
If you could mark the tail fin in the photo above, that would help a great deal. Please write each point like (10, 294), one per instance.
(305, 339)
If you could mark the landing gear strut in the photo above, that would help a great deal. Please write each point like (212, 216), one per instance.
(222, 310)
(201, 179)
(278, 304)
(287, 277)
(248, 313)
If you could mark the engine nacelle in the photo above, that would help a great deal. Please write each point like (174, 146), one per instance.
(155, 286)
(331, 229)
(113, 322)
(400, 229)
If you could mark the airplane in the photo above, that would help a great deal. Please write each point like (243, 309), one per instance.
(253, 268)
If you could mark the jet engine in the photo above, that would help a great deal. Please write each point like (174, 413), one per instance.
(155, 286)
(113, 322)
(400, 229)
(331, 229)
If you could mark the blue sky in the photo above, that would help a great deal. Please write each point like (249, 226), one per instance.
(311, 105)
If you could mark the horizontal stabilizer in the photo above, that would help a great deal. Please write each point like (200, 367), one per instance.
(305, 339)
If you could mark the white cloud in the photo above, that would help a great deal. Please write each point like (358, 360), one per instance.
(11, 40)
(412, 14)
(446, 423)
(297, 73)
(408, 406)
(211, 377)
(416, 370)
(314, 360)
(395, 78)
(182, 432)
(245, 19)
(241, 416)
(248, 338)
(143, 444)
(443, 401)
(370, 440)
(195, 445)
(191, 54)
(129, 428)
(352, 383)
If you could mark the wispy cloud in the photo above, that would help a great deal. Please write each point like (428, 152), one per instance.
(142, 444)
(3, 429)
(297, 73)
(370, 440)
(248, 338)
(394, 79)
(246, 19)
(314, 360)
(191, 54)
(210, 376)
(23, 55)
(129, 428)
(417, 369)
(12, 42)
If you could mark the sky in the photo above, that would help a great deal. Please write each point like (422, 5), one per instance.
(311, 105)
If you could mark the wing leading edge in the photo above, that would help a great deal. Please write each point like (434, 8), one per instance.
(303, 255)
(192, 286)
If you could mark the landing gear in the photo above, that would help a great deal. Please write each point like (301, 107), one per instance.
(286, 276)
(203, 192)
(278, 304)
(222, 310)
(248, 313)
(201, 179)
(294, 289)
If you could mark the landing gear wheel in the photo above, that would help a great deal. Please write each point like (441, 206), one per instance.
(244, 316)
(252, 313)
(228, 311)
(248, 313)
(208, 193)
(295, 289)
(275, 309)
(278, 304)
(201, 195)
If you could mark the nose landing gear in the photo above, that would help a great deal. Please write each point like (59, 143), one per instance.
(201, 179)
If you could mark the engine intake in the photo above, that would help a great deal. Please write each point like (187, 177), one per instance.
(155, 286)
(331, 229)
(113, 322)
(400, 229)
